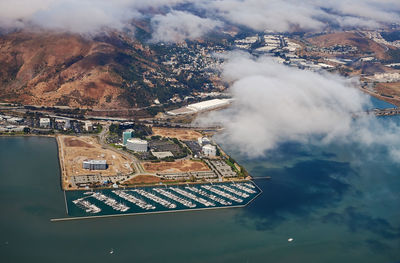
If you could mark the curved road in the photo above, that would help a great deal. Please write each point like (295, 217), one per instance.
(136, 163)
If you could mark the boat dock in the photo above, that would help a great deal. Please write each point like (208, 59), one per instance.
(158, 199)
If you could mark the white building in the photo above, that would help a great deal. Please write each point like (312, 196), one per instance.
(201, 106)
(136, 145)
(15, 120)
(209, 104)
(209, 150)
(95, 164)
(44, 122)
(203, 141)
(88, 126)
(161, 155)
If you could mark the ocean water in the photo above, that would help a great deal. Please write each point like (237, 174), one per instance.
(339, 203)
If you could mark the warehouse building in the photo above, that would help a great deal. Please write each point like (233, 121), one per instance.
(95, 164)
(209, 104)
(209, 150)
(136, 145)
(201, 106)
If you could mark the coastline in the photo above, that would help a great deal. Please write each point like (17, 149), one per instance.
(392, 101)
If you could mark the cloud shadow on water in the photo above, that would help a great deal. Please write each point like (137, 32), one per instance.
(296, 191)
(357, 221)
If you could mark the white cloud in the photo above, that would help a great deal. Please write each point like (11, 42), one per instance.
(88, 16)
(80, 16)
(276, 104)
(177, 26)
(282, 15)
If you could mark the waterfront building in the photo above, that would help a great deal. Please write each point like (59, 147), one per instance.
(209, 150)
(44, 122)
(126, 135)
(95, 164)
(136, 145)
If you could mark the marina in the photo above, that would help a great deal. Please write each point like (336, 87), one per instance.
(109, 201)
(233, 191)
(243, 188)
(159, 199)
(222, 193)
(209, 196)
(87, 206)
(142, 204)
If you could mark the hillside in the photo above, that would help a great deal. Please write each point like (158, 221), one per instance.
(53, 69)
(352, 39)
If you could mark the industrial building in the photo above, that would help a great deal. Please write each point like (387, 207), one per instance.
(44, 122)
(200, 106)
(88, 126)
(136, 145)
(209, 150)
(161, 155)
(95, 164)
(209, 104)
(126, 135)
(203, 141)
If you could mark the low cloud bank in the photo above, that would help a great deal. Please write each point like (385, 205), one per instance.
(275, 104)
(177, 26)
(170, 24)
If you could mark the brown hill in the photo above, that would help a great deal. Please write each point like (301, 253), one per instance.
(51, 69)
(352, 39)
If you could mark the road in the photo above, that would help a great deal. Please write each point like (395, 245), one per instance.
(136, 163)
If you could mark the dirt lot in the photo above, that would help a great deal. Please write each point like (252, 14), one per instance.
(74, 150)
(145, 179)
(181, 134)
(390, 89)
(175, 167)
(383, 90)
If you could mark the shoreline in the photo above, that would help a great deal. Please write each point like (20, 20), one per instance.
(62, 166)
(392, 101)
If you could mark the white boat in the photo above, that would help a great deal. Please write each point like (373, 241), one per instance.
(222, 193)
(87, 206)
(243, 188)
(233, 191)
(110, 202)
(130, 198)
(174, 197)
(155, 198)
(192, 196)
(209, 196)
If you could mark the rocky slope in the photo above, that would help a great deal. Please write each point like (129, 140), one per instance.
(54, 69)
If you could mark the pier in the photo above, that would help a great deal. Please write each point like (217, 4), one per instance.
(159, 199)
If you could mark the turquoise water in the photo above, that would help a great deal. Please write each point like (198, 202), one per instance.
(340, 203)
(380, 104)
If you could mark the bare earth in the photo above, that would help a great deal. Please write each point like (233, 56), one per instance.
(390, 89)
(144, 179)
(181, 134)
(74, 150)
(175, 167)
